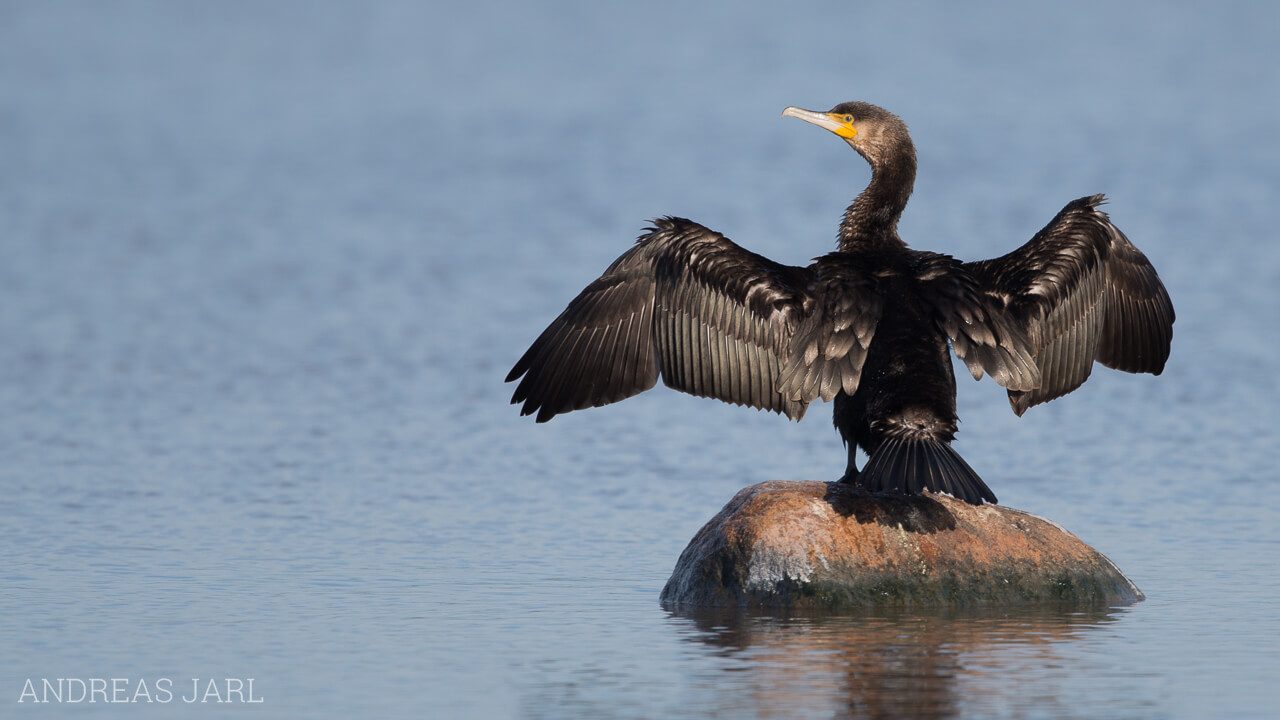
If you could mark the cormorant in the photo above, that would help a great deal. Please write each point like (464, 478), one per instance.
(867, 325)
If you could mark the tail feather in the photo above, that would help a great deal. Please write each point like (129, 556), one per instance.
(912, 465)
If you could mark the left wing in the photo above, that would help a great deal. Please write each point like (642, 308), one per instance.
(684, 303)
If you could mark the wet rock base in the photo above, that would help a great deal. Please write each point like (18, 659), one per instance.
(815, 545)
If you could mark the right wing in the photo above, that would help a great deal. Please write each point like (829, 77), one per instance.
(1082, 292)
(686, 303)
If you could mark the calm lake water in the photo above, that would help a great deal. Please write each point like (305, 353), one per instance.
(263, 267)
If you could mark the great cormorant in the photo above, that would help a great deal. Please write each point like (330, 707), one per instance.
(867, 325)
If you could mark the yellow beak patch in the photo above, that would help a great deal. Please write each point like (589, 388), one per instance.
(841, 125)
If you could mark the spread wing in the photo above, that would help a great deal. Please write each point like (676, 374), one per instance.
(1081, 292)
(685, 303)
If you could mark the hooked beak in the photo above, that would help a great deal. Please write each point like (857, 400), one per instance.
(841, 125)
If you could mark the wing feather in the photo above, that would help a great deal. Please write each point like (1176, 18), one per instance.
(831, 341)
(685, 304)
(1081, 292)
(980, 333)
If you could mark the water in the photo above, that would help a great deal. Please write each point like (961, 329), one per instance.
(265, 266)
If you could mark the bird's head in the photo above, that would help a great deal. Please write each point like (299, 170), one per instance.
(873, 131)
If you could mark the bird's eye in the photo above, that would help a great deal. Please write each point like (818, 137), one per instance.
(848, 118)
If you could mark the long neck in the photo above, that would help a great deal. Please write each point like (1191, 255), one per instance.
(872, 219)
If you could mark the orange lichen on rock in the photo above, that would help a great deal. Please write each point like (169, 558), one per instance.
(827, 545)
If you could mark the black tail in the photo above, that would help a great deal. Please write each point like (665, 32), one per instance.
(912, 465)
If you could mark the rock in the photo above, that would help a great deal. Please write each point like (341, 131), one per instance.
(826, 545)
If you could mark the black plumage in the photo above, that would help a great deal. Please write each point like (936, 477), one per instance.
(867, 326)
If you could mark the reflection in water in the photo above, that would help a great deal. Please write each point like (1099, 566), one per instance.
(889, 664)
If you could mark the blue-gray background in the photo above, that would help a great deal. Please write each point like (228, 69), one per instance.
(263, 267)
